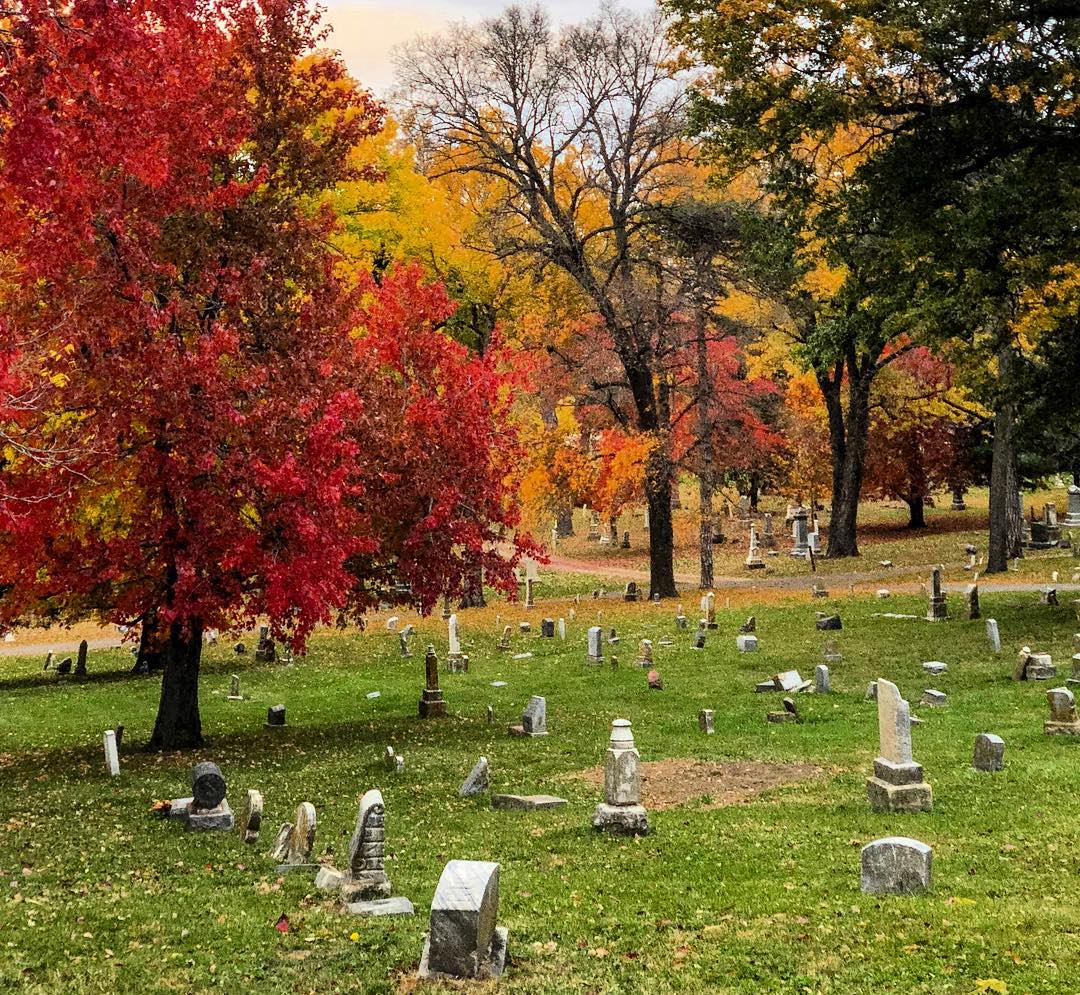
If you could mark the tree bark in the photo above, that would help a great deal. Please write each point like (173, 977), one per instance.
(1006, 512)
(705, 457)
(916, 513)
(149, 659)
(473, 595)
(178, 724)
(661, 534)
(564, 523)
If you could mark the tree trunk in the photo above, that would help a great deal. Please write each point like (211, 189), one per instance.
(755, 491)
(705, 455)
(564, 523)
(473, 595)
(1006, 512)
(178, 725)
(149, 659)
(916, 513)
(661, 534)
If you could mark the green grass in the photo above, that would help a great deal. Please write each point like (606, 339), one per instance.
(97, 895)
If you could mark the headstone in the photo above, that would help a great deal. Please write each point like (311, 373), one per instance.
(989, 752)
(463, 939)
(1072, 516)
(275, 717)
(897, 784)
(621, 811)
(265, 651)
(935, 667)
(813, 540)
(403, 642)
(207, 809)
(705, 721)
(830, 652)
(478, 780)
(625, 544)
(957, 501)
(526, 803)
(1063, 720)
(292, 848)
(504, 643)
(391, 623)
(800, 533)
(768, 538)
(547, 628)
(366, 876)
(48, 661)
(744, 507)
(680, 619)
(971, 600)
(533, 719)
(529, 601)
(456, 661)
(871, 692)
(112, 757)
(251, 816)
(746, 643)
(937, 607)
(932, 698)
(896, 865)
(630, 592)
(562, 629)
(432, 703)
(821, 679)
(993, 637)
(1034, 666)
(829, 623)
(750, 625)
(63, 668)
(708, 607)
(699, 636)
(818, 591)
(1048, 596)
(80, 665)
(753, 556)
(594, 528)
(596, 644)
(645, 658)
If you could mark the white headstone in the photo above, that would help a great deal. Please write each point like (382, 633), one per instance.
(112, 758)
(894, 723)
(455, 643)
(562, 628)
(992, 635)
(596, 642)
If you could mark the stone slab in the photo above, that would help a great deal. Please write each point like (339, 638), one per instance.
(526, 802)
(398, 906)
(623, 820)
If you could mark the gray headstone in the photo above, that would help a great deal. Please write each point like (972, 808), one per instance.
(896, 865)
(534, 718)
(821, 679)
(251, 816)
(207, 785)
(526, 803)
(478, 780)
(463, 939)
(992, 635)
(705, 721)
(275, 715)
(746, 643)
(989, 752)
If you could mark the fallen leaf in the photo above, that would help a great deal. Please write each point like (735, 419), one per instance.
(282, 925)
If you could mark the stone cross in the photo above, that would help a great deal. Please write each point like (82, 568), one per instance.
(112, 758)
(463, 939)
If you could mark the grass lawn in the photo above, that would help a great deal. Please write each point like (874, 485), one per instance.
(100, 896)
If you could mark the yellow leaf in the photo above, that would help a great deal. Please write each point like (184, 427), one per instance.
(985, 985)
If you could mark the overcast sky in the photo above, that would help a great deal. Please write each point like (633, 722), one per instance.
(366, 30)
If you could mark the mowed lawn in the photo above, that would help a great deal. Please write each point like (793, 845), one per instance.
(98, 895)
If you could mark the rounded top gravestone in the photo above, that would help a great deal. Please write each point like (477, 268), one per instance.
(207, 785)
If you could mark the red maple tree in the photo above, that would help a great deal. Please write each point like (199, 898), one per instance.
(208, 419)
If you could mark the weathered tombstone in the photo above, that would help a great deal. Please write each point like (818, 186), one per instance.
(789, 680)
(768, 538)
(112, 757)
(456, 661)
(818, 590)
(207, 808)
(753, 556)
(48, 661)
(971, 600)
(391, 623)
(1072, 516)
(829, 623)
(596, 645)
(275, 717)
(630, 592)
(446, 613)
(365, 877)
(750, 625)
(529, 600)
(478, 780)
(547, 628)
(699, 636)
(680, 619)
(935, 667)
(432, 704)
(932, 698)
(654, 681)
(958, 501)
(533, 719)
(830, 652)
(403, 642)
(504, 642)
(562, 629)
(895, 865)
(625, 544)
(897, 784)
(1034, 666)
(746, 643)
(621, 810)
(1063, 720)
(645, 658)
(251, 816)
(821, 679)
(989, 752)
(234, 688)
(800, 533)
(63, 668)
(705, 721)
(937, 606)
(1048, 596)
(526, 803)
(265, 651)
(708, 605)
(292, 848)
(744, 507)
(993, 637)
(463, 939)
(594, 528)
(80, 665)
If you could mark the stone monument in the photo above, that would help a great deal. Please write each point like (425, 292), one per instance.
(432, 704)
(463, 939)
(621, 810)
(897, 784)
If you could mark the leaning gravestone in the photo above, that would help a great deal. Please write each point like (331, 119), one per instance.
(1063, 720)
(897, 784)
(112, 758)
(463, 939)
(896, 865)
(292, 848)
(251, 816)
(621, 810)
(478, 780)
(989, 752)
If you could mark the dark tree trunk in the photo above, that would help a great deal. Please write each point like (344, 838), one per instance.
(847, 441)
(178, 725)
(564, 523)
(473, 595)
(916, 513)
(1006, 512)
(661, 533)
(149, 659)
(755, 491)
(706, 466)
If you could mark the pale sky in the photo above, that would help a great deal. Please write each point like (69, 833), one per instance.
(366, 30)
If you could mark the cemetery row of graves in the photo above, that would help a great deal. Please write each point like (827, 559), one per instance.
(585, 793)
